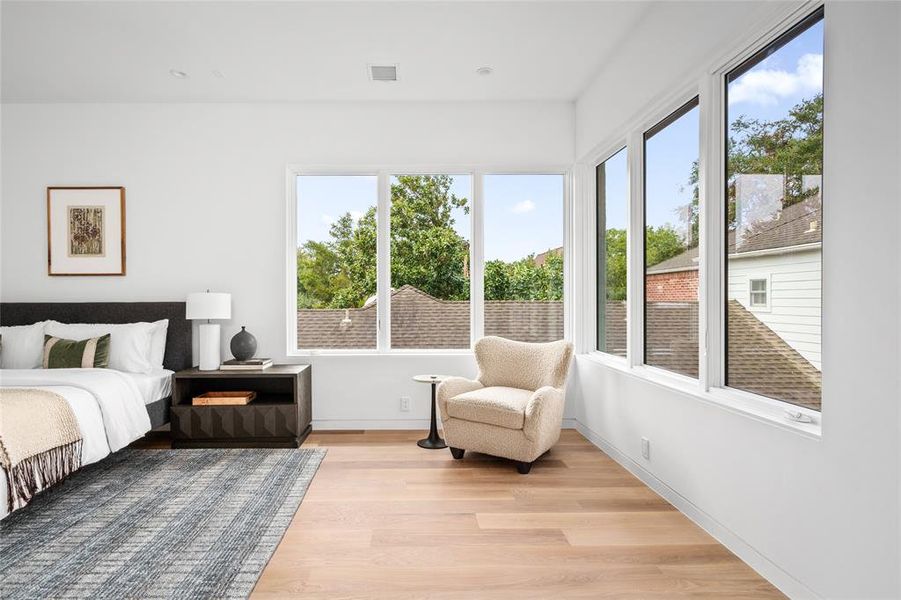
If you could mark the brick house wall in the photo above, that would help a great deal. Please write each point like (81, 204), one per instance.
(678, 286)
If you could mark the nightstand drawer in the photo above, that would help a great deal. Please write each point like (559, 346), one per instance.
(235, 422)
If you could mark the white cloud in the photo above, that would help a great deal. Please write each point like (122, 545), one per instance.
(523, 207)
(768, 86)
(356, 214)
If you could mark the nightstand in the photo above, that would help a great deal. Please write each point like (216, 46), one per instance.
(279, 417)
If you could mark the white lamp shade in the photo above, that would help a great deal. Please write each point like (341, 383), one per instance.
(209, 305)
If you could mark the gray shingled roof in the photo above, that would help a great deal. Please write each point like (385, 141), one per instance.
(796, 225)
(760, 361)
(420, 321)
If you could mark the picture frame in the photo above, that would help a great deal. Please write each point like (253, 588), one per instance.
(86, 231)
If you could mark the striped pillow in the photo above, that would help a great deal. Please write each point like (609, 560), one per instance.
(72, 354)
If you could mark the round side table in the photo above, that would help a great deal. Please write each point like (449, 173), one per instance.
(434, 441)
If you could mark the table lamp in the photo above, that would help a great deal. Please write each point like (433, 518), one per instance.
(209, 305)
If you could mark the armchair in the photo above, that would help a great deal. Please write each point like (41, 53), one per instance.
(514, 409)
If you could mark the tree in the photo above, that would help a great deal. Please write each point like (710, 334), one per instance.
(426, 251)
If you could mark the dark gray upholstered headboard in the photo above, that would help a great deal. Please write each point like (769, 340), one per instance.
(178, 340)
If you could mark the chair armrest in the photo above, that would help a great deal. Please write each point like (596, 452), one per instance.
(454, 386)
(544, 413)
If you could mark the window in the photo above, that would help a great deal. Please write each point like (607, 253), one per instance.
(774, 217)
(671, 151)
(757, 298)
(400, 247)
(430, 261)
(612, 209)
(524, 257)
(336, 261)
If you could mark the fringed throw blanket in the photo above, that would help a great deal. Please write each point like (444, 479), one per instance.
(40, 442)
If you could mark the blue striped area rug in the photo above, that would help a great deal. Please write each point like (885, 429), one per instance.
(156, 524)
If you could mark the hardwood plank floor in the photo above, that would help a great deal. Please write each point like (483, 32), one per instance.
(384, 518)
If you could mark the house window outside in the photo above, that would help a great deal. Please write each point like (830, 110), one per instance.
(612, 178)
(774, 214)
(758, 291)
(671, 151)
(523, 224)
(336, 261)
(430, 261)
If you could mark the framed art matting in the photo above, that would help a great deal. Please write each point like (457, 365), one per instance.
(86, 231)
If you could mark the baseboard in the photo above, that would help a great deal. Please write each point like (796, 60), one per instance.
(339, 424)
(767, 569)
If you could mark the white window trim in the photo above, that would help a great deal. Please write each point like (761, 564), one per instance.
(709, 387)
(383, 173)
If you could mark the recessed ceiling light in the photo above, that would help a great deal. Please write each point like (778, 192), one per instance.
(178, 74)
(484, 70)
(218, 74)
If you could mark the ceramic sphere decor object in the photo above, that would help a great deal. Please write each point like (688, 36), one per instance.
(243, 345)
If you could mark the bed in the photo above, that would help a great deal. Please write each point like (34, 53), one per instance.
(112, 408)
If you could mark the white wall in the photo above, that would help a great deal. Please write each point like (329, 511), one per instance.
(820, 517)
(794, 290)
(205, 196)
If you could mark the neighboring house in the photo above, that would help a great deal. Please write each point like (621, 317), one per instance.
(774, 272)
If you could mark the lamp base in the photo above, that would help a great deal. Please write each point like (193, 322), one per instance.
(210, 347)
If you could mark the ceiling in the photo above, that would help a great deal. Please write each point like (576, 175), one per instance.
(123, 51)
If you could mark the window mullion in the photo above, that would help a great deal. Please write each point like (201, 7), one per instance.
(477, 258)
(711, 208)
(635, 251)
(383, 262)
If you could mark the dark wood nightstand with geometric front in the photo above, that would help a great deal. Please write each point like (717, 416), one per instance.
(279, 417)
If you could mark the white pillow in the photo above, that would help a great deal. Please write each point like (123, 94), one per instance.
(158, 343)
(22, 346)
(129, 347)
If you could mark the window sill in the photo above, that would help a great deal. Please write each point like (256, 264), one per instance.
(376, 353)
(759, 408)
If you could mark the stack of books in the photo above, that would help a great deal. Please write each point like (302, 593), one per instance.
(254, 364)
(223, 398)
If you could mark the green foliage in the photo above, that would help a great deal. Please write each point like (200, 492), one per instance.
(426, 252)
(525, 279)
(615, 264)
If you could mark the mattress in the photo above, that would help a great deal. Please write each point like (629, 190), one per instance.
(155, 385)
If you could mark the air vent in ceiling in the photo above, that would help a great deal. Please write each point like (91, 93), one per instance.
(383, 72)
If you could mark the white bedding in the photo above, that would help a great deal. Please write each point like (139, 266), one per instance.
(155, 385)
(108, 405)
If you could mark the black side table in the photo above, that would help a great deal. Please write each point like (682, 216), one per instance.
(434, 441)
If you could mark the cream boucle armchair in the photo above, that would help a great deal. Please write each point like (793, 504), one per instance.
(515, 408)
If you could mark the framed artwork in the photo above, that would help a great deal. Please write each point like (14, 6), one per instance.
(86, 231)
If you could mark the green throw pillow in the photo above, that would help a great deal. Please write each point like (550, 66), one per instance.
(72, 354)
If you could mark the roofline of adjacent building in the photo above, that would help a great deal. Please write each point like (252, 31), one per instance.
(752, 254)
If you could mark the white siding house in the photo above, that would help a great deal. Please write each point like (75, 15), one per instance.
(790, 300)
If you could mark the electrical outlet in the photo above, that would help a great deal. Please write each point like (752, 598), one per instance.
(405, 404)
(646, 448)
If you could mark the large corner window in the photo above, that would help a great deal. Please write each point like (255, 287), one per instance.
(524, 257)
(430, 264)
(671, 150)
(612, 179)
(774, 218)
(336, 261)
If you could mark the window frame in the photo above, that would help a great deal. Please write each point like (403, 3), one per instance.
(598, 268)
(765, 307)
(672, 117)
(383, 174)
(710, 86)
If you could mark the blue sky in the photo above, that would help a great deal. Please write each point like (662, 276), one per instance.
(523, 213)
(767, 92)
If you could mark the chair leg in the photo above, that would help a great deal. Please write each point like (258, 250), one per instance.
(523, 467)
(457, 452)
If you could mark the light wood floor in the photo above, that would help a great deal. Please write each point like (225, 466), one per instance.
(386, 519)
